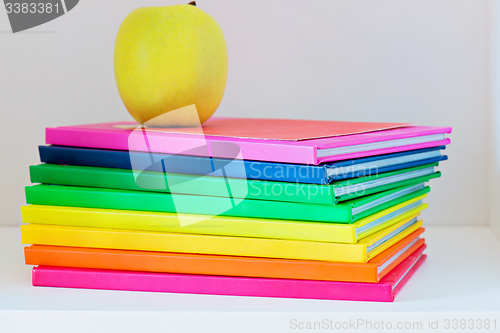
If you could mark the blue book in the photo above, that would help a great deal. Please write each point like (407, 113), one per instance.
(297, 173)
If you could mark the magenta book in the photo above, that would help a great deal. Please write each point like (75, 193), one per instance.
(383, 291)
(130, 136)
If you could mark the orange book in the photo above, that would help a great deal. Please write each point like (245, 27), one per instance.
(185, 263)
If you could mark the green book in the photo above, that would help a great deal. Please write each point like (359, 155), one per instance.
(344, 212)
(125, 179)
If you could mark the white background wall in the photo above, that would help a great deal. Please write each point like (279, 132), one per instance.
(494, 183)
(422, 61)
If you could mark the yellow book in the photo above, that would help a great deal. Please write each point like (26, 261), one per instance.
(223, 225)
(238, 246)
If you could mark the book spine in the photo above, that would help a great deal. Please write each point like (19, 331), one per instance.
(120, 159)
(165, 222)
(203, 284)
(85, 157)
(186, 243)
(60, 256)
(260, 151)
(190, 204)
(125, 179)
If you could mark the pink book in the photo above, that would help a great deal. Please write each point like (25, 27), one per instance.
(337, 141)
(384, 291)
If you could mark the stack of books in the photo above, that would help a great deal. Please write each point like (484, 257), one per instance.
(249, 207)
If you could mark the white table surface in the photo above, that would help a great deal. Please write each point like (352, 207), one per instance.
(461, 276)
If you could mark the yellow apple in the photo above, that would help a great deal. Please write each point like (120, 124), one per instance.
(167, 58)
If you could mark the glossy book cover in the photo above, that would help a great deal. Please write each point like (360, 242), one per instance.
(114, 136)
(205, 264)
(383, 291)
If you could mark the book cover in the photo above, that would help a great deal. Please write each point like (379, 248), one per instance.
(384, 291)
(313, 151)
(274, 129)
(204, 264)
(347, 212)
(176, 183)
(362, 251)
(223, 225)
(324, 173)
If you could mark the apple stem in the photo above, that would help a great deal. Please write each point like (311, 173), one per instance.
(192, 3)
